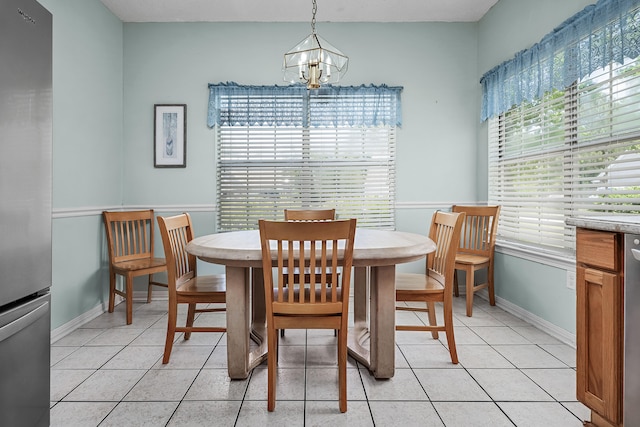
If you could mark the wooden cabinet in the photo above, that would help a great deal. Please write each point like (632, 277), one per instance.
(599, 286)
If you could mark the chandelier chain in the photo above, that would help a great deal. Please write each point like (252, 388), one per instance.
(314, 9)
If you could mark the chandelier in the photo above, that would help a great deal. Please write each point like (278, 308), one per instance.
(314, 61)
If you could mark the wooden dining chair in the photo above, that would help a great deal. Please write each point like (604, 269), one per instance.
(436, 285)
(185, 286)
(476, 250)
(130, 243)
(309, 214)
(327, 245)
(305, 215)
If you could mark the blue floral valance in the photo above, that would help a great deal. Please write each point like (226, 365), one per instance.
(602, 33)
(231, 104)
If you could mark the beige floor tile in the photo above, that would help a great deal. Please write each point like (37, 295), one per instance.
(540, 414)
(481, 356)
(78, 414)
(499, 335)
(508, 385)
(215, 384)
(162, 385)
(564, 352)
(403, 386)
(322, 384)
(286, 413)
(140, 414)
(207, 413)
(323, 413)
(559, 383)
(450, 385)
(118, 336)
(88, 357)
(131, 357)
(393, 414)
(428, 356)
(106, 385)
(63, 381)
(529, 356)
(186, 357)
(472, 414)
(118, 367)
(289, 384)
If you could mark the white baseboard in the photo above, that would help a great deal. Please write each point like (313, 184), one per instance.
(74, 324)
(545, 326)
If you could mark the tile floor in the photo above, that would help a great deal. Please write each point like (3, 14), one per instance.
(510, 373)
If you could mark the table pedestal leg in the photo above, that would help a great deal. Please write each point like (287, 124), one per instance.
(240, 359)
(258, 316)
(380, 330)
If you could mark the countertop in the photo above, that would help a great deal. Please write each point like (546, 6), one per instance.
(618, 223)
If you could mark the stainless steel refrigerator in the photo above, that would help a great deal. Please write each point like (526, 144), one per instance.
(25, 211)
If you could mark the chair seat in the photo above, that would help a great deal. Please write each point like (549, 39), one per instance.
(419, 283)
(157, 264)
(471, 259)
(201, 285)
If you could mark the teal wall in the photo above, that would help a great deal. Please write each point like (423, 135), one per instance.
(108, 75)
(87, 149)
(173, 63)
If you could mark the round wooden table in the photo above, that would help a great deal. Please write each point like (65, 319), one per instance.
(375, 255)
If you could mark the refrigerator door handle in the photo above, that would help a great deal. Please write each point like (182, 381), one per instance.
(22, 322)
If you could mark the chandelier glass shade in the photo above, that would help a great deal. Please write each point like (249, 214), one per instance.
(314, 60)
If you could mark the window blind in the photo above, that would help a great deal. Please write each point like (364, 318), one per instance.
(297, 149)
(572, 152)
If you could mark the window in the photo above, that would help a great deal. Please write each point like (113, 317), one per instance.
(286, 147)
(574, 149)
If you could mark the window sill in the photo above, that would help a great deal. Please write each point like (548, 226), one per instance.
(534, 254)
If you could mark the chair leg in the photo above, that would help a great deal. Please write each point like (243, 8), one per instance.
(129, 299)
(149, 290)
(448, 329)
(271, 369)
(191, 315)
(456, 292)
(171, 331)
(431, 306)
(342, 369)
(112, 291)
(469, 285)
(492, 292)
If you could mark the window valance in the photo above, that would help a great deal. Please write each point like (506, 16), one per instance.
(602, 33)
(365, 105)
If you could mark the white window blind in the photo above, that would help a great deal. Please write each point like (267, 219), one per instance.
(573, 152)
(264, 168)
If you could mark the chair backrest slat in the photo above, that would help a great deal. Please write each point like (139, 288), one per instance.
(307, 245)
(445, 231)
(177, 232)
(479, 229)
(129, 234)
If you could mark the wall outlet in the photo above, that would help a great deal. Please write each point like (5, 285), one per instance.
(571, 279)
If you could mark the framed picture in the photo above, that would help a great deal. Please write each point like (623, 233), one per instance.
(170, 135)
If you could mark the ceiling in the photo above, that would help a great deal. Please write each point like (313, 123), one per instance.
(299, 10)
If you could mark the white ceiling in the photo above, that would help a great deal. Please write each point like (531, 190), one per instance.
(299, 10)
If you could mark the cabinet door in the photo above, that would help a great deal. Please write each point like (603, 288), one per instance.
(599, 339)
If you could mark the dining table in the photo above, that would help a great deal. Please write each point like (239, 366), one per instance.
(371, 340)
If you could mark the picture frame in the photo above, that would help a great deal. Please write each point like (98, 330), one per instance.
(170, 135)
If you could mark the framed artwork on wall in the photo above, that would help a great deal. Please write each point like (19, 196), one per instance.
(170, 135)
